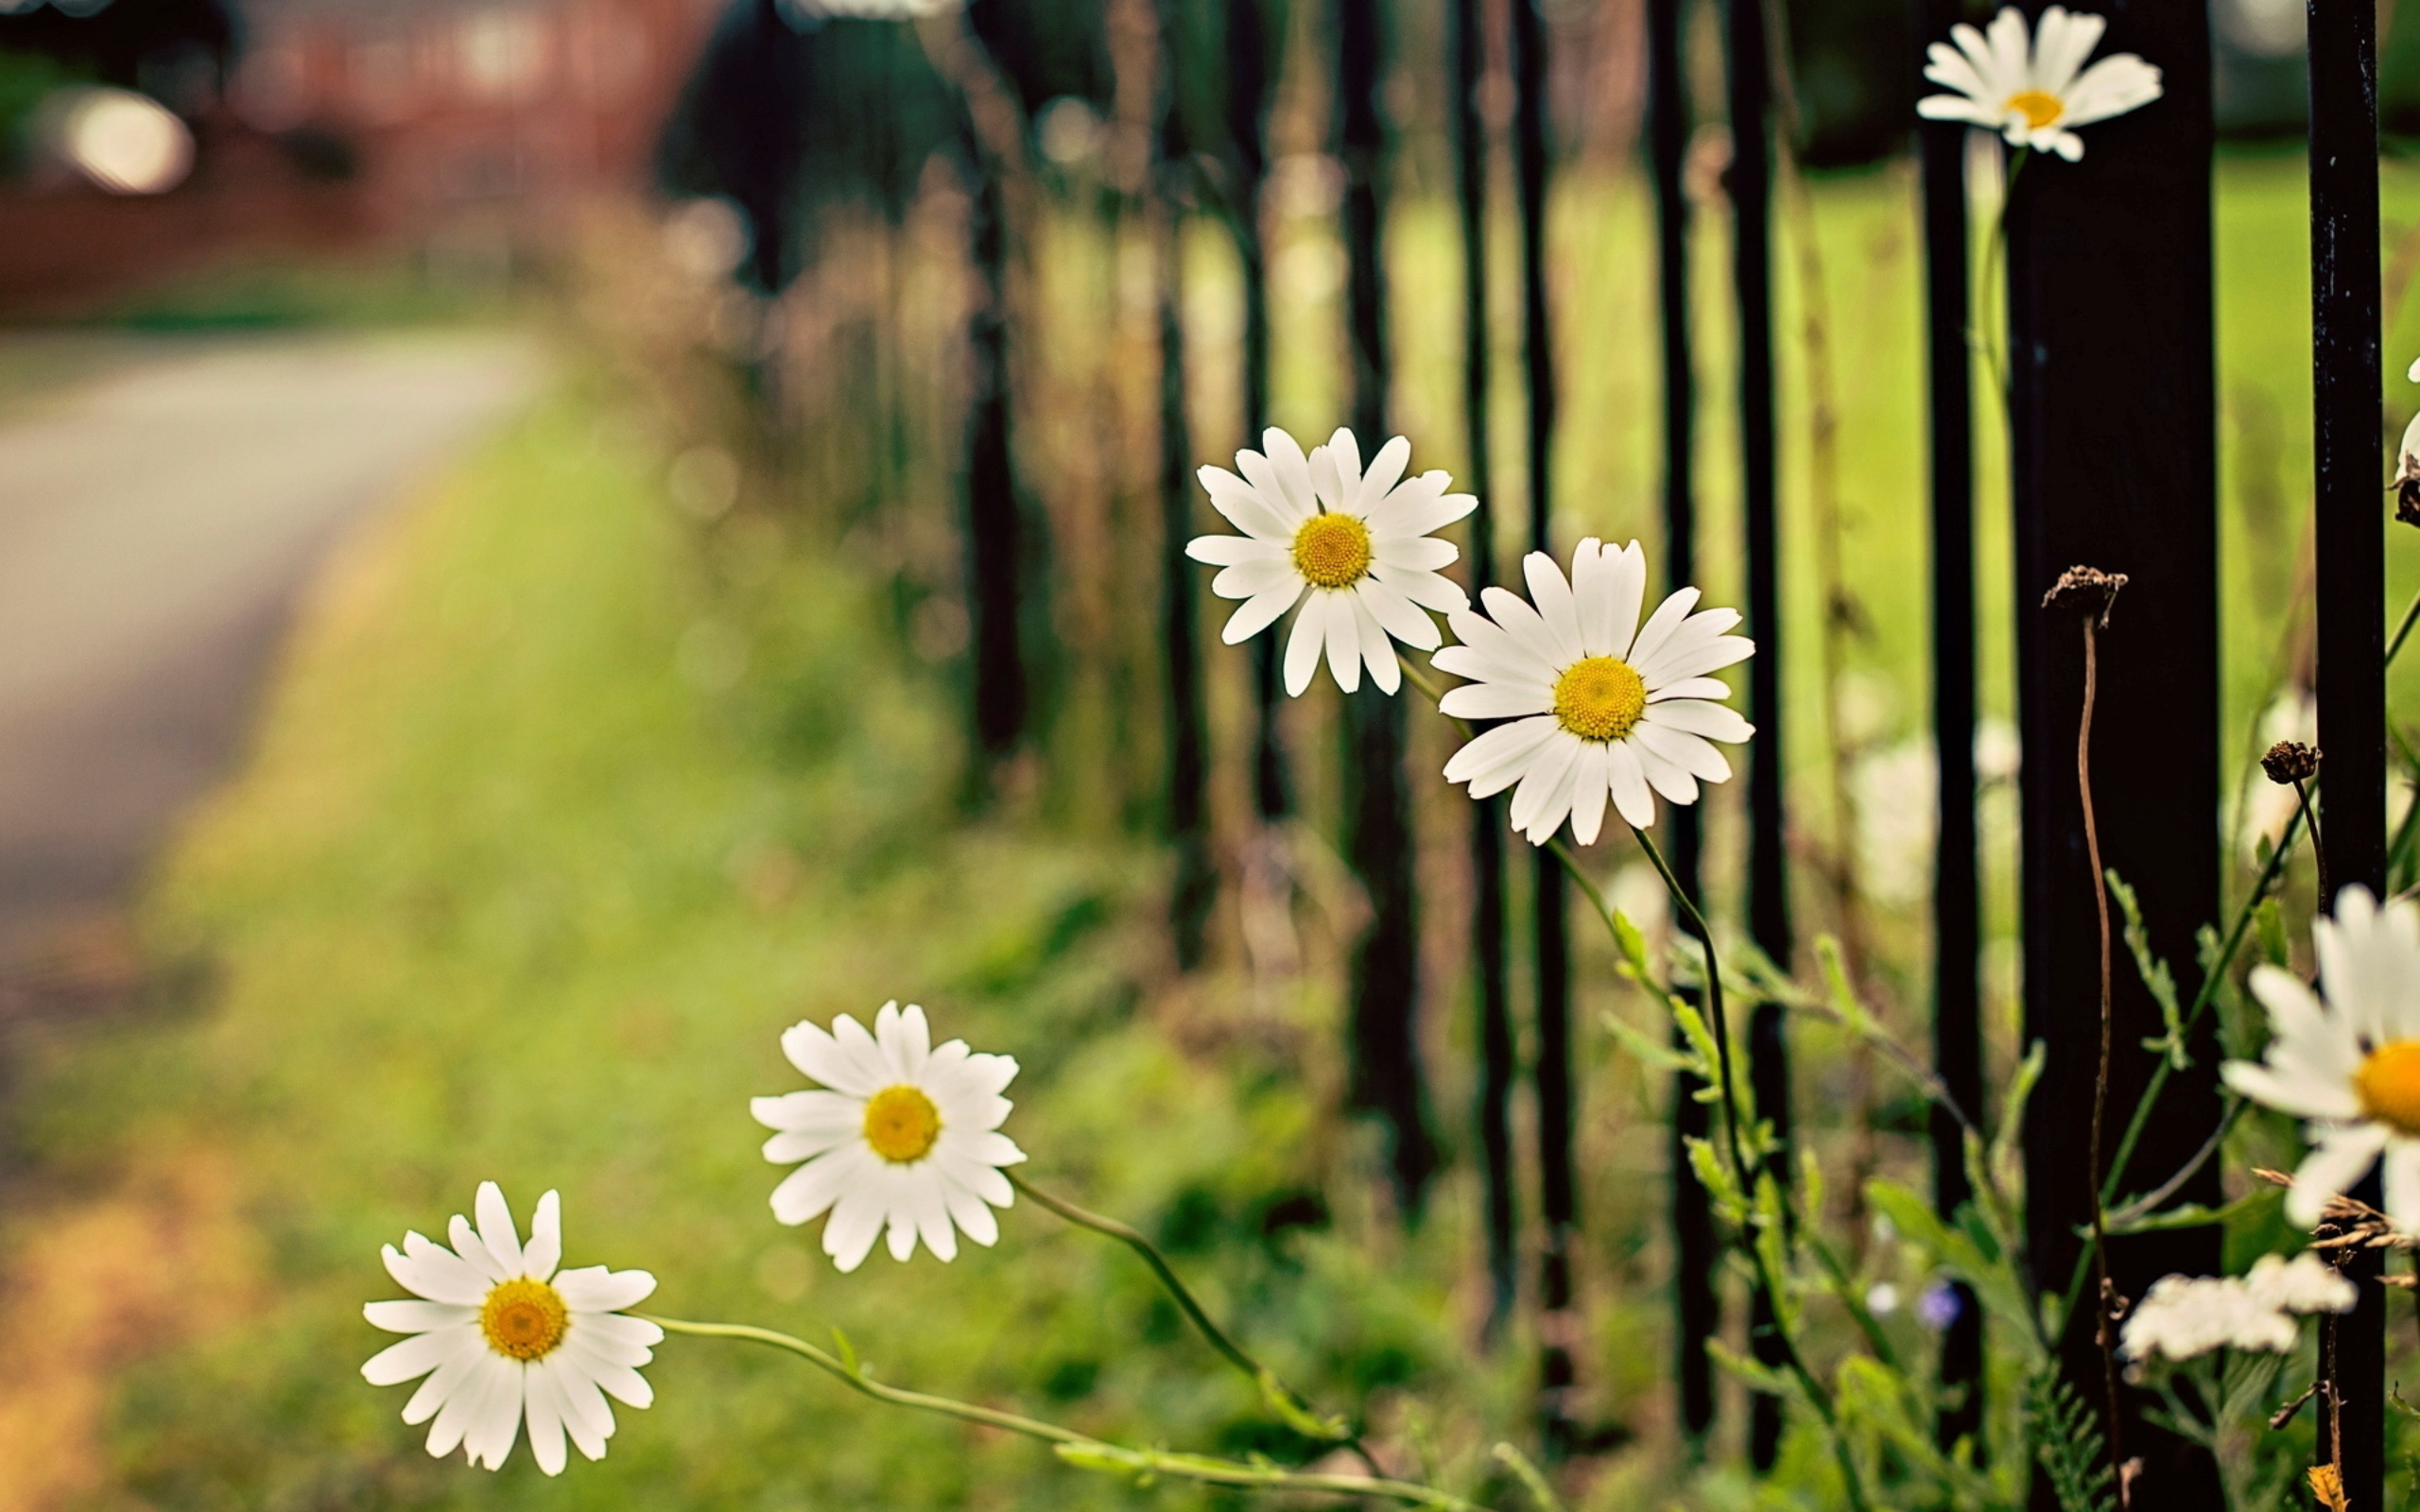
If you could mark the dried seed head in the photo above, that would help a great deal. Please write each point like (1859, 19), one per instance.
(2289, 762)
(2086, 590)
(2327, 1485)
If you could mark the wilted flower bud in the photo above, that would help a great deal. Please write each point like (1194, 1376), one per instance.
(2289, 762)
(2086, 590)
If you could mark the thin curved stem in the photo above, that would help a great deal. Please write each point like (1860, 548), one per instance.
(2101, 1079)
(2403, 630)
(1079, 1449)
(1297, 1409)
(2318, 842)
(1717, 1018)
(857, 1379)
(2149, 1203)
(2203, 998)
(1718, 1024)
(1817, 1395)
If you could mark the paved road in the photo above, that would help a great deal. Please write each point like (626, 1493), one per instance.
(155, 523)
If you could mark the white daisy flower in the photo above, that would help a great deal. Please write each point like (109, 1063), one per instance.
(905, 1139)
(2033, 93)
(2349, 1063)
(1353, 547)
(1600, 706)
(2184, 1317)
(503, 1336)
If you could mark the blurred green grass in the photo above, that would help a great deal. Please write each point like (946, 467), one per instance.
(503, 895)
(562, 812)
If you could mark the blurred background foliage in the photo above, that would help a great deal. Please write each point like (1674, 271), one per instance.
(642, 736)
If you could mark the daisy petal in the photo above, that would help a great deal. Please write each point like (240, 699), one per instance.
(2341, 1157)
(1302, 647)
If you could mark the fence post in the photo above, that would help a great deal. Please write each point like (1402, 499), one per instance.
(2351, 549)
(1695, 1249)
(1378, 843)
(1956, 1025)
(1557, 1187)
(1487, 817)
(1195, 885)
(1750, 187)
(995, 541)
(1248, 95)
(2113, 441)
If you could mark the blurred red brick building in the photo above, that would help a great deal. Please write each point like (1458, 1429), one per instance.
(462, 128)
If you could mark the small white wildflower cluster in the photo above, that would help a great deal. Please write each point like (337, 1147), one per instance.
(2182, 1317)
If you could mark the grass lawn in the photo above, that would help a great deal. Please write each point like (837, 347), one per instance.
(559, 815)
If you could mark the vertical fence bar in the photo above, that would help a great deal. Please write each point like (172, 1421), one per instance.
(1696, 1250)
(1248, 97)
(2351, 543)
(994, 533)
(1487, 817)
(2113, 442)
(1957, 1019)
(1751, 186)
(1196, 885)
(1558, 1186)
(1378, 843)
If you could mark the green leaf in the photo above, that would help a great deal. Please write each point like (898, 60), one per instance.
(1650, 1051)
(1700, 1040)
(1630, 942)
(1531, 1479)
(847, 1351)
(1843, 997)
(1811, 1182)
(1717, 1178)
(2066, 1445)
(2190, 1216)
(2154, 972)
(2270, 927)
(1759, 1376)
(1297, 1417)
(1989, 1272)
(2029, 1072)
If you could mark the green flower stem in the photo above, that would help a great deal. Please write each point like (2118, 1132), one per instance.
(1844, 1286)
(1079, 1449)
(2201, 1000)
(1817, 1395)
(2404, 630)
(1298, 1410)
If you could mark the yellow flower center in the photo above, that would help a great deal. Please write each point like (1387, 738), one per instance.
(2388, 1085)
(902, 1124)
(524, 1319)
(1599, 699)
(1332, 550)
(2039, 108)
